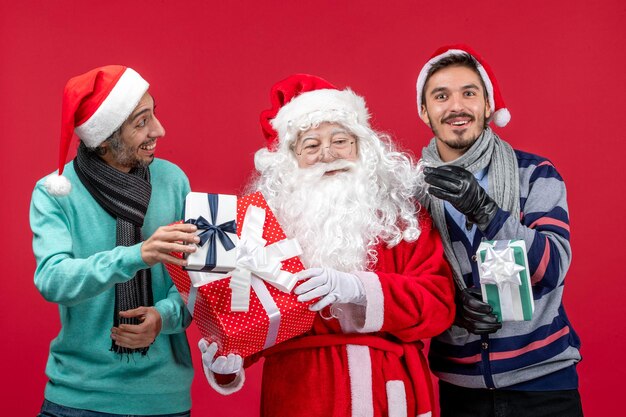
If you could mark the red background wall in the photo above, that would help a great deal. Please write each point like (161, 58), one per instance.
(560, 65)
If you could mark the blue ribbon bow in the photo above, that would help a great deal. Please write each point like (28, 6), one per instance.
(210, 230)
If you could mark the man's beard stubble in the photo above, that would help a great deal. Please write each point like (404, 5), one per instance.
(125, 155)
(458, 143)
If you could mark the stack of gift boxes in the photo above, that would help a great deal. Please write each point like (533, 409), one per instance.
(238, 284)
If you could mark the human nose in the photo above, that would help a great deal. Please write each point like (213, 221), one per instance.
(455, 102)
(156, 129)
(326, 155)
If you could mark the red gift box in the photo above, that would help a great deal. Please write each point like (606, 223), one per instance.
(273, 316)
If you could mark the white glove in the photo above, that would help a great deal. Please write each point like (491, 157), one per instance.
(333, 286)
(223, 365)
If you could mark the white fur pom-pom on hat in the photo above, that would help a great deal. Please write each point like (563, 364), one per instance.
(57, 185)
(501, 115)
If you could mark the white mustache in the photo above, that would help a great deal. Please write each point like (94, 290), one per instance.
(318, 171)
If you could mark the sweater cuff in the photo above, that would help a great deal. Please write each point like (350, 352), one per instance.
(135, 260)
(496, 224)
(166, 309)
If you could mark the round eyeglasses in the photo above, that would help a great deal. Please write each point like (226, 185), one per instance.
(311, 150)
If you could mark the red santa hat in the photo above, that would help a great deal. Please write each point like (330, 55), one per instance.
(302, 95)
(95, 105)
(501, 115)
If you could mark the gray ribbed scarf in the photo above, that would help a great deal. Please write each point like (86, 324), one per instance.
(126, 198)
(489, 150)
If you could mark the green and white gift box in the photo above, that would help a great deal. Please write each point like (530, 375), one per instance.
(505, 279)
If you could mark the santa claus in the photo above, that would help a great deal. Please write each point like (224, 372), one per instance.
(375, 264)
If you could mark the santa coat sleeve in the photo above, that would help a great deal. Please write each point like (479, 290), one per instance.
(411, 294)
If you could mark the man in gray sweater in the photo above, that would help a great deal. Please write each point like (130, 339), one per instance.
(481, 189)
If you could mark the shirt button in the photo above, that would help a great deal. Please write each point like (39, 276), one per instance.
(484, 345)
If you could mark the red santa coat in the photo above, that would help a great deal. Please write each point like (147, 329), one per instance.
(368, 360)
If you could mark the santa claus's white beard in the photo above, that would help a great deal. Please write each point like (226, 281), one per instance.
(333, 216)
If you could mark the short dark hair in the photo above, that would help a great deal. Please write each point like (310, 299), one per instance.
(114, 139)
(454, 60)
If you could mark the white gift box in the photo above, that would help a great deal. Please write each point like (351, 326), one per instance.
(215, 215)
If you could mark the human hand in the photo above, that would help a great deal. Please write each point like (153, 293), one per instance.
(331, 285)
(473, 314)
(168, 239)
(459, 187)
(223, 365)
(140, 335)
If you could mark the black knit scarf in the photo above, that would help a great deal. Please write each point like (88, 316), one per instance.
(125, 197)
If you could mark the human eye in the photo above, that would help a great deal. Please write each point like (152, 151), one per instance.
(470, 93)
(142, 122)
(310, 147)
(340, 142)
(440, 96)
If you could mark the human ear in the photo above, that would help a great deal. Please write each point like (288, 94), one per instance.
(103, 148)
(424, 115)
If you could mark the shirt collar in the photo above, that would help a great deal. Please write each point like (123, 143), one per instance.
(480, 174)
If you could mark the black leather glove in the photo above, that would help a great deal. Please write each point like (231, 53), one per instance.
(459, 187)
(473, 314)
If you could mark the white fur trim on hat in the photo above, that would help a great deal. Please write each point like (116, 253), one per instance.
(114, 110)
(421, 79)
(326, 105)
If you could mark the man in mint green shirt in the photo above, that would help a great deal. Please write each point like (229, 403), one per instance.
(100, 235)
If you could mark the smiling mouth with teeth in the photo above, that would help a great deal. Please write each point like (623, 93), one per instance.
(149, 146)
(458, 119)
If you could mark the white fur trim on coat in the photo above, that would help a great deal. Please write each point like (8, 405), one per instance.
(325, 105)
(360, 369)
(396, 398)
(368, 318)
(114, 110)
